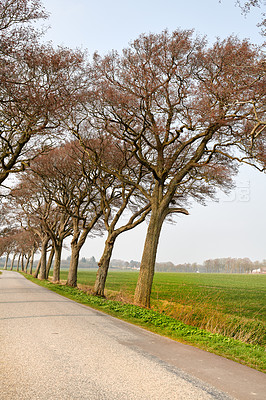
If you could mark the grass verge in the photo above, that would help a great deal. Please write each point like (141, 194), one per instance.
(232, 305)
(248, 354)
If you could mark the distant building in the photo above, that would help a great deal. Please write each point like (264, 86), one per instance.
(261, 270)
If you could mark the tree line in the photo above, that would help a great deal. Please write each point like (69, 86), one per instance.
(218, 265)
(98, 146)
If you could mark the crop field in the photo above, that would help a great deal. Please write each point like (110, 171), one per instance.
(229, 304)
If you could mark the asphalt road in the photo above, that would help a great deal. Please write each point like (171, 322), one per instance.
(54, 348)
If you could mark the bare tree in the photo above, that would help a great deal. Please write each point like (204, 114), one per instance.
(123, 206)
(35, 212)
(57, 223)
(25, 243)
(69, 178)
(37, 82)
(15, 13)
(247, 5)
(184, 110)
(70, 165)
(5, 248)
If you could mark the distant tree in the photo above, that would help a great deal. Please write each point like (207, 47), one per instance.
(228, 265)
(92, 263)
(25, 243)
(32, 211)
(92, 260)
(165, 267)
(13, 239)
(6, 246)
(17, 241)
(134, 264)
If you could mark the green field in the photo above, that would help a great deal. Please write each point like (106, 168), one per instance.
(229, 304)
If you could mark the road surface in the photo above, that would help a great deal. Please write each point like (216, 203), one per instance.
(54, 348)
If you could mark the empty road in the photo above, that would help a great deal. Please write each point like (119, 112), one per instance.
(54, 348)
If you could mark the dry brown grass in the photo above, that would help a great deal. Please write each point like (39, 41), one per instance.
(203, 317)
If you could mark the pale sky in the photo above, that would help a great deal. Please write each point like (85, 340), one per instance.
(233, 227)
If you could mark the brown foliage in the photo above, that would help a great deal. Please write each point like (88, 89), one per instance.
(37, 83)
(18, 12)
(183, 109)
(168, 97)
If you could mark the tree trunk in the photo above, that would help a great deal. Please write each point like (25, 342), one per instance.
(12, 262)
(77, 242)
(22, 262)
(145, 279)
(103, 267)
(49, 263)
(36, 273)
(27, 262)
(43, 258)
(57, 261)
(31, 261)
(73, 268)
(6, 262)
(18, 262)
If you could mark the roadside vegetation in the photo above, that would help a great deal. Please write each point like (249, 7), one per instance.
(223, 314)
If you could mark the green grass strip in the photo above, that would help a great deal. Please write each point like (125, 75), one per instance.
(251, 355)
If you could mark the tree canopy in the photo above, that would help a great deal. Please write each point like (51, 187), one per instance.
(186, 111)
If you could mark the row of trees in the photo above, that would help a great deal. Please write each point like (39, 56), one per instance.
(137, 135)
(219, 265)
(21, 245)
(64, 194)
(233, 265)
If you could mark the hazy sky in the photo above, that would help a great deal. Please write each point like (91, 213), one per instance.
(236, 225)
